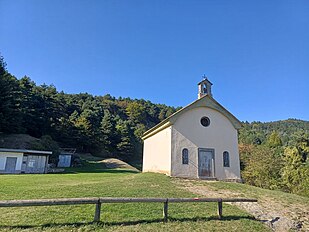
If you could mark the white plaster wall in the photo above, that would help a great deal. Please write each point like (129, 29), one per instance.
(157, 152)
(220, 135)
(4, 155)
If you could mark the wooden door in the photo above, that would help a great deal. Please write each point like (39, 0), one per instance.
(206, 163)
(10, 165)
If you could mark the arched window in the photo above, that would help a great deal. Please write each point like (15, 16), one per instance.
(226, 159)
(185, 156)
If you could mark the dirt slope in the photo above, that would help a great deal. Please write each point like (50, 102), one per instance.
(108, 163)
(17, 141)
(279, 214)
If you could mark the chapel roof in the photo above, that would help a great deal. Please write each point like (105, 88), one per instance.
(205, 101)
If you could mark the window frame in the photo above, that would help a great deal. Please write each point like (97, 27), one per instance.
(226, 159)
(185, 156)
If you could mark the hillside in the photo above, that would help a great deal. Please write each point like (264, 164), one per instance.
(17, 141)
(274, 155)
(104, 125)
(258, 132)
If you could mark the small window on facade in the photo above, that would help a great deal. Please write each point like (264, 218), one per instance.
(185, 156)
(205, 121)
(226, 159)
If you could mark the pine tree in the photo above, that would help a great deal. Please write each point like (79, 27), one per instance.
(125, 146)
(107, 137)
(10, 98)
(136, 112)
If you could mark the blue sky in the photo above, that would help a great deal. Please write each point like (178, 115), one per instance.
(256, 53)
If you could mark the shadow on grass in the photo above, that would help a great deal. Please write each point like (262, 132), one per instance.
(116, 171)
(132, 223)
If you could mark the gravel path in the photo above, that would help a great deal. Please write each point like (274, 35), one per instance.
(279, 216)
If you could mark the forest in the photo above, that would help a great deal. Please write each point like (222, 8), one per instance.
(102, 125)
(273, 155)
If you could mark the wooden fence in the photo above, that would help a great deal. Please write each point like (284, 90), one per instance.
(98, 201)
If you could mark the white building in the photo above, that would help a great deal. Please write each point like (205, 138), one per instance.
(23, 161)
(198, 141)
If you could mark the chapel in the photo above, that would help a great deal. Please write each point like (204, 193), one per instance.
(198, 141)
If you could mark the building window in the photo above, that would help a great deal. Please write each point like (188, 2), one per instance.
(185, 156)
(205, 121)
(226, 159)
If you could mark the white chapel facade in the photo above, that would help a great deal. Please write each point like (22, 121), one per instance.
(198, 141)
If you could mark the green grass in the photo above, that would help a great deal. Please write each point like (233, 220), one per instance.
(94, 181)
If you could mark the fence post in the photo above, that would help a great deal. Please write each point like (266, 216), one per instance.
(97, 212)
(165, 210)
(220, 208)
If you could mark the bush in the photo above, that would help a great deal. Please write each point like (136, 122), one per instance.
(295, 173)
(261, 167)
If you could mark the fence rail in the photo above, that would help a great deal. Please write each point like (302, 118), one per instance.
(98, 201)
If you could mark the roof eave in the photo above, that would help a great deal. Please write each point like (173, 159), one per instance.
(171, 119)
(159, 127)
(26, 151)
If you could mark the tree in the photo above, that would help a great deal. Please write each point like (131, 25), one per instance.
(139, 130)
(162, 114)
(83, 127)
(262, 167)
(107, 129)
(125, 146)
(295, 173)
(274, 140)
(136, 112)
(48, 110)
(301, 142)
(29, 107)
(10, 97)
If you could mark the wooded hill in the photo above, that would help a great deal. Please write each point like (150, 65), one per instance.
(289, 130)
(103, 125)
(273, 155)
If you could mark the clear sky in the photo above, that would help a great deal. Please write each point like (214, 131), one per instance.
(256, 53)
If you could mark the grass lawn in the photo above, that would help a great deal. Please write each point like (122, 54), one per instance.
(95, 181)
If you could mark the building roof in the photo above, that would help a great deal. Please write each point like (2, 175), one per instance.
(26, 151)
(204, 80)
(205, 101)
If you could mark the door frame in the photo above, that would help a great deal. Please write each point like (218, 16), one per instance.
(212, 150)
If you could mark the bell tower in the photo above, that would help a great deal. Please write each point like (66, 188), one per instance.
(204, 87)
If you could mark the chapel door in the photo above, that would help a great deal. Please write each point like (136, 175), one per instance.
(10, 165)
(206, 163)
